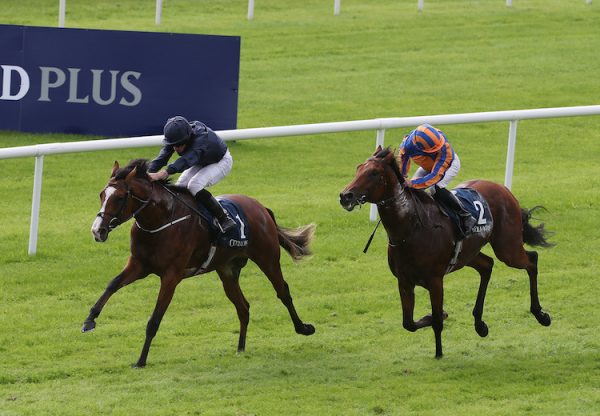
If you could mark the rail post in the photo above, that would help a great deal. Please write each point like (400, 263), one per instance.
(62, 6)
(35, 204)
(510, 153)
(378, 142)
(250, 9)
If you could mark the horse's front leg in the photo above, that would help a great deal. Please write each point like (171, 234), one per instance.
(165, 295)
(436, 294)
(133, 271)
(407, 299)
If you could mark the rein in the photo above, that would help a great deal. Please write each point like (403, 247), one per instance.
(177, 197)
(167, 225)
(173, 222)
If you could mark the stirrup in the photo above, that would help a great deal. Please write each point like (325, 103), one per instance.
(226, 224)
(467, 223)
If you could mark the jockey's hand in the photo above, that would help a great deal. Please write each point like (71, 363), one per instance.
(157, 176)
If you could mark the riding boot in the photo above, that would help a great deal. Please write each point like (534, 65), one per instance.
(466, 219)
(224, 220)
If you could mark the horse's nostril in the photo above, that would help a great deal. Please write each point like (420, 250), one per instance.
(346, 196)
(101, 234)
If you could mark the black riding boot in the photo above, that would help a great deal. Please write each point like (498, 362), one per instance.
(466, 219)
(205, 198)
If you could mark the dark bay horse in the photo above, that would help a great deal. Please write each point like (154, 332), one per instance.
(169, 240)
(421, 240)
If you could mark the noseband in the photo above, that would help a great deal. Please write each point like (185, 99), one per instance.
(383, 180)
(115, 221)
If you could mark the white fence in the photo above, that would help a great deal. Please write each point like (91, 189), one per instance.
(379, 125)
(62, 7)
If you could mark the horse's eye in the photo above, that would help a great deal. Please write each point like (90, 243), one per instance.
(117, 198)
(374, 173)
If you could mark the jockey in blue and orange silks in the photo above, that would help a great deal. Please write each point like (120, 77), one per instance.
(438, 164)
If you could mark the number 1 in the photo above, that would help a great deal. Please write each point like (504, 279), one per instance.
(242, 235)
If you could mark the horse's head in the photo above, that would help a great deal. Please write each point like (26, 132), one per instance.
(375, 180)
(126, 193)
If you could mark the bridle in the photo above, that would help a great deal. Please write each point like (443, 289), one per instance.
(115, 221)
(384, 182)
(387, 201)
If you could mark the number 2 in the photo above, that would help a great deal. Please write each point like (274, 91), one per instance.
(479, 207)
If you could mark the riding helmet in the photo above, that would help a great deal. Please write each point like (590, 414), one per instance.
(177, 131)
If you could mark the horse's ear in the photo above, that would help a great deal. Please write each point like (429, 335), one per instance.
(390, 155)
(114, 169)
(379, 149)
(131, 174)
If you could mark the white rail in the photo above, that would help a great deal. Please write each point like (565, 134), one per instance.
(62, 6)
(379, 125)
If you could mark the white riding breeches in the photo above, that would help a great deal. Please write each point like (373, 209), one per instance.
(451, 172)
(197, 178)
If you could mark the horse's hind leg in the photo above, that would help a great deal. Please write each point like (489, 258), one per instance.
(230, 275)
(522, 259)
(536, 309)
(483, 264)
(132, 272)
(272, 269)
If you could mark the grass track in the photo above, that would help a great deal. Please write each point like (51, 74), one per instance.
(300, 64)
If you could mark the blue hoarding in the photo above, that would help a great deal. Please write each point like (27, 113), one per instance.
(114, 83)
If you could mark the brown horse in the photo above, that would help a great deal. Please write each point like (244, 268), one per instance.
(169, 240)
(421, 239)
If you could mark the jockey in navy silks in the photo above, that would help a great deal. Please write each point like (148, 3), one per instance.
(204, 160)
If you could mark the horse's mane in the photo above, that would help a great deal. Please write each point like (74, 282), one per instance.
(394, 165)
(142, 172)
(140, 164)
(419, 193)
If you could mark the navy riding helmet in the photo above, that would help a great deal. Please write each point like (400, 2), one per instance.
(177, 131)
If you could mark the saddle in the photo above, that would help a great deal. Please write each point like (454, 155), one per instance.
(236, 236)
(476, 205)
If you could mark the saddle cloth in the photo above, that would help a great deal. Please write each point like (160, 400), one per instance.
(476, 205)
(235, 237)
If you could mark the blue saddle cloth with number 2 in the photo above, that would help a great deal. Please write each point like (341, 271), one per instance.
(476, 205)
(237, 236)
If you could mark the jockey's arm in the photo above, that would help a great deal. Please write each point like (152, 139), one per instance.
(442, 162)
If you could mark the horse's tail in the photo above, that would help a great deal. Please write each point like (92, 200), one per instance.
(534, 235)
(295, 241)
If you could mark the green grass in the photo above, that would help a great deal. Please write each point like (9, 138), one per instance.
(300, 64)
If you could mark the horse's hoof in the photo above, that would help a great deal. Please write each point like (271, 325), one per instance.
(88, 326)
(481, 328)
(439, 356)
(138, 365)
(543, 318)
(306, 329)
